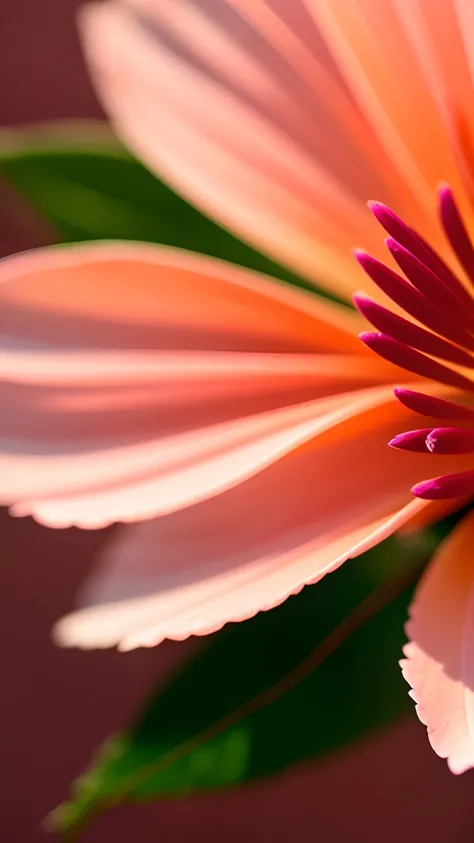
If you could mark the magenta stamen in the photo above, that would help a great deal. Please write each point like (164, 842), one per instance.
(446, 487)
(437, 299)
(399, 230)
(407, 297)
(413, 361)
(415, 244)
(429, 284)
(407, 332)
(411, 440)
(450, 440)
(428, 405)
(455, 229)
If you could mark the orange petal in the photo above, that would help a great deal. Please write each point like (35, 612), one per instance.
(250, 547)
(439, 663)
(221, 101)
(441, 38)
(386, 52)
(458, 42)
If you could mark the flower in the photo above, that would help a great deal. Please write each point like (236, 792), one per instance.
(238, 422)
(281, 120)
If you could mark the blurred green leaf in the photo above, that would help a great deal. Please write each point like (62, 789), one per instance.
(89, 187)
(187, 742)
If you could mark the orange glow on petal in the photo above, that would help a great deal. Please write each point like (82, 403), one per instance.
(383, 64)
(252, 546)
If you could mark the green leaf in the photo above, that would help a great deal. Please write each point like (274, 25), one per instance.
(191, 738)
(89, 187)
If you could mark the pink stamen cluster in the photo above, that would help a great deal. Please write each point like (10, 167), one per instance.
(444, 308)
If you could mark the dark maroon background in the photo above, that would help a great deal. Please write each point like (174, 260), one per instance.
(57, 706)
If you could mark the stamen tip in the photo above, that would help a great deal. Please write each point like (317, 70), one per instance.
(397, 441)
(392, 244)
(360, 298)
(363, 259)
(370, 337)
(381, 212)
(374, 205)
(426, 490)
(444, 189)
(410, 440)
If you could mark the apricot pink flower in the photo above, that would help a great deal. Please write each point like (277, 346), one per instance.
(280, 120)
(238, 422)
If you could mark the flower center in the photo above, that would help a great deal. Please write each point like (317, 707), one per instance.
(439, 346)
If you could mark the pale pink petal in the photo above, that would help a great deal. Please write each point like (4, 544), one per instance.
(250, 547)
(439, 663)
(135, 380)
(93, 487)
(179, 370)
(238, 105)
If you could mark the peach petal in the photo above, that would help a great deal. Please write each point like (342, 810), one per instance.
(382, 50)
(465, 16)
(249, 548)
(101, 423)
(219, 100)
(73, 396)
(140, 295)
(92, 489)
(441, 40)
(439, 663)
(98, 368)
(175, 604)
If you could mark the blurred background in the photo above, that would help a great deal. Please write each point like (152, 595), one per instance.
(56, 706)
